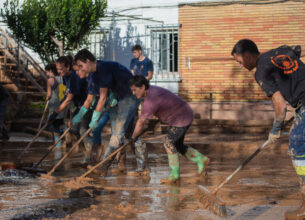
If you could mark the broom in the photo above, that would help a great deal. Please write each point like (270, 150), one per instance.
(209, 199)
(49, 174)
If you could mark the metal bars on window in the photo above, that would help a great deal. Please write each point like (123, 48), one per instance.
(164, 48)
(99, 43)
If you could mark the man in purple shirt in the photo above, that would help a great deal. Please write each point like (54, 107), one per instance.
(173, 111)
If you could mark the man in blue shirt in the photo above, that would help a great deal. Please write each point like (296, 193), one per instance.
(141, 65)
(107, 76)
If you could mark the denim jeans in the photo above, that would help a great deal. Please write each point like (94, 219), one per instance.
(97, 133)
(297, 144)
(120, 117)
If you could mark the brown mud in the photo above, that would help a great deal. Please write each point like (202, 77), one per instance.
(265, 189)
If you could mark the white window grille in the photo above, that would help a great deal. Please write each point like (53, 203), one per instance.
(99, 43)
(164, 49)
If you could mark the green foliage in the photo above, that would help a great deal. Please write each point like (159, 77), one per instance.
(34, 22)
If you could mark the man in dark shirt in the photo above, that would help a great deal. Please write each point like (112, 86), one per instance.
(4, 100)
(281, 74)
(107, 76)
(141, 65)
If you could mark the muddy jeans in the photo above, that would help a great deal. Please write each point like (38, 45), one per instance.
(297, 144)
(174, 141)
(120, 117)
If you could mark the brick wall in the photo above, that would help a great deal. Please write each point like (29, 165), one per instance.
(208, 34)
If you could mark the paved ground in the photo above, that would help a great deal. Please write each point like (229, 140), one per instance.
(265, 189)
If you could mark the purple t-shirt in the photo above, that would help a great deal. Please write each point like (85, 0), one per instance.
(167, 106)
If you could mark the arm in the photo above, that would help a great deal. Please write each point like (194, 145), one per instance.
(150, 75)
(88, 101)
(279, 104)
(65, 103)
(102, 100)
(280, 113)
(139, 128)
(50, 83)
(132, 72)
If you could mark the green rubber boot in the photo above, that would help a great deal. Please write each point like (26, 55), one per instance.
(174, 167)
(198, 158)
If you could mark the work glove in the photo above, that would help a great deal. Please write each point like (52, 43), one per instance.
(112, 101)
(95, 119)
(78, 117)
(275, 131)
(52, 117)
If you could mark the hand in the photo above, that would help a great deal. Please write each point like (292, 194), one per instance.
(112, 101)
(95, 119)
(93, 125)
(275, 131)
(52, 117)
(272, 138)
(78, 117)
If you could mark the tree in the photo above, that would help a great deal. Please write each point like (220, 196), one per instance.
(50, 27)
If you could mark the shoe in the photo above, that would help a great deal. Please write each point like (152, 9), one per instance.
(174, 167)
(198, 158)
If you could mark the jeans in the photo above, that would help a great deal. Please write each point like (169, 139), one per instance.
(97, 133)
(297, 144)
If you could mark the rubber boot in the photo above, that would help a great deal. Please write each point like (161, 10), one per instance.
(121, 166)
(298, 214)
(141, 158)
(198, 158)
(174, 167)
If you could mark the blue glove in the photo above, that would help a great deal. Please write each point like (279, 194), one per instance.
(95, 119)
(112, 101)
(78, 118)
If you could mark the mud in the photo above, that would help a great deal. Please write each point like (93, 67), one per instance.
(265, 189)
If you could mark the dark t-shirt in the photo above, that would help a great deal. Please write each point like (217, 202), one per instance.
(281, 70)
(141, 67)
(114, 76)
(77, 87)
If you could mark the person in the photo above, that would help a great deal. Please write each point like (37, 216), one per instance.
(113, 76)
(175, 112)
(4, 100)
(141, 65)
(281, 74)
(55, 94)
(76, 90)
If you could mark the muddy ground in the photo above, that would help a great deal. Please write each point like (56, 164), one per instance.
(265, 189)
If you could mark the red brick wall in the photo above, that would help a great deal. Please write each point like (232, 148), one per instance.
(211, 32)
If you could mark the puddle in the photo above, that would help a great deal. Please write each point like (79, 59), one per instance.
(265, 189)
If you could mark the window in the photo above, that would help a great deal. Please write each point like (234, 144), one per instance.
(99, 43)
(164, 48)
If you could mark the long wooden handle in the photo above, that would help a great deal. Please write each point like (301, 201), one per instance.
(44, 112)
(241, 166)
(69, 152)
(245, 162)
(53, 146)
(103, 161)
(30, 144)
(75, 145)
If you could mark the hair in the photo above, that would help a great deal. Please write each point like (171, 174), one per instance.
(139, 81)
(51, 67)
(83, 55)
(136, 47)
(244, 45)
(66, 61)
